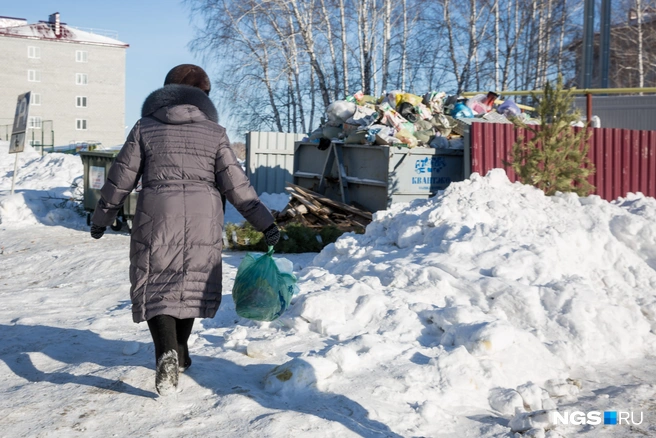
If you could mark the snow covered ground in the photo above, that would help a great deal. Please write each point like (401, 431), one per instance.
(477, 313)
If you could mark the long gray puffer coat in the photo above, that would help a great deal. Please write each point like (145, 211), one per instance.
(184, 159)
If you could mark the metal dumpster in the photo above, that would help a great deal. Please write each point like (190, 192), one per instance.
(373, 177)
(96, 168)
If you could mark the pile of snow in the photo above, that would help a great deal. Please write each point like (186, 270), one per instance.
(44, 188)
(485, 296)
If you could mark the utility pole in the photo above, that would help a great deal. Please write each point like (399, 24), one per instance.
(588, 44)
(604, 45)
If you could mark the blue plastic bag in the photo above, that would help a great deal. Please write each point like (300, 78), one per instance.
(261, 292)
(509, 108)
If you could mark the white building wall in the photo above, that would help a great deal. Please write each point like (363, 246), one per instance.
(57, 68)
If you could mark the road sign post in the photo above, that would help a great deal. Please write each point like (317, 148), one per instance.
(17, 141)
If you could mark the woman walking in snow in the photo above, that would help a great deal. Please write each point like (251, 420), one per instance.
(185, 161)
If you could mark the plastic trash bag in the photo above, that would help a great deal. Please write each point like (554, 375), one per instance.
(461, 111)
(509, 108)
(435, 101)
(407, 137)
(443, 124)
(261, 291)
(340, 111)
(363, 116)
(410, 98)
(392, 118)
(439, 142)
(408, 112)
(479, 104)
(424, 112)
(390, 98)
(381, 134)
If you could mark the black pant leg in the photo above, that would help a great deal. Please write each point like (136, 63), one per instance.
(163, 330)
(183, 330)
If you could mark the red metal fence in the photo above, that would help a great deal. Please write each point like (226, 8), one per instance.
(625, 159)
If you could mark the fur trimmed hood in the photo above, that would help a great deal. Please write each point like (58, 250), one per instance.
(173, 95)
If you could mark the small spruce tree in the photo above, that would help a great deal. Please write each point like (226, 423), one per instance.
(556, 158)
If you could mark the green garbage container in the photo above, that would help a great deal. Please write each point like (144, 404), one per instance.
(96, 168)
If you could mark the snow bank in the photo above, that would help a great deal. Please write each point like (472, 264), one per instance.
(43, 189)
(36, 172)
(470, 297)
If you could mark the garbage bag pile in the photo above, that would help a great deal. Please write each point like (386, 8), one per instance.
(408, 120)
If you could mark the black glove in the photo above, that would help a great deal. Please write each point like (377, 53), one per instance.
(97, 231)
(272, 235)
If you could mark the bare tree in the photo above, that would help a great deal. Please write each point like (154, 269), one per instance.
(496, 44)
(303, 17)
(330, 38)
(641, 57)
(279, 63)
(633, 44)
(404, 43)
(342, 19)
(387, 41)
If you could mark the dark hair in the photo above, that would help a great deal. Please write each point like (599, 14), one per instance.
(189, 74)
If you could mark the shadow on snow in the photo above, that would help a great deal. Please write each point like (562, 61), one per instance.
(74, 347)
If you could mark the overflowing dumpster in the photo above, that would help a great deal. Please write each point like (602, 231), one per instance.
(373, 177)
(96, 168)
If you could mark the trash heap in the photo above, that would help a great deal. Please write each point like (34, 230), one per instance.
(408, 120)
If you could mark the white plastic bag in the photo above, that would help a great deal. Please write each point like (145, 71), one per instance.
(340, 111)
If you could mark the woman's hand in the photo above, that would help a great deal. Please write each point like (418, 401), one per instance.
(97, 231)
(272, 235)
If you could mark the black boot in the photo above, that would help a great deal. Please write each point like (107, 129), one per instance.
(163, 330)
(166, 378)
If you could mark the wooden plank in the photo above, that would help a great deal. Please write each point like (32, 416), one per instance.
(365, 214)
(312, 199)
(305, 202)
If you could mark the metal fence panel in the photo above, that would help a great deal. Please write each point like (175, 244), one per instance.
(625, 160)
(622, 112)
(270, 160)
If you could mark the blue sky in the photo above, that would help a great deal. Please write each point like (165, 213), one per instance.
(158, 32)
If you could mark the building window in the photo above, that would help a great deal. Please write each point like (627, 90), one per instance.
(33, 52)
(81, 124)
(81, 101)
(35, 142)
(34, 76)
(80, 56)
(35, 123)
(81, 78)
(36, 99)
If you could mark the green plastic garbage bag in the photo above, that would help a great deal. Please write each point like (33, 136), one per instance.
(261, 292)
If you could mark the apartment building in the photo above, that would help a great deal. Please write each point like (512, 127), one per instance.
(76, 79)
